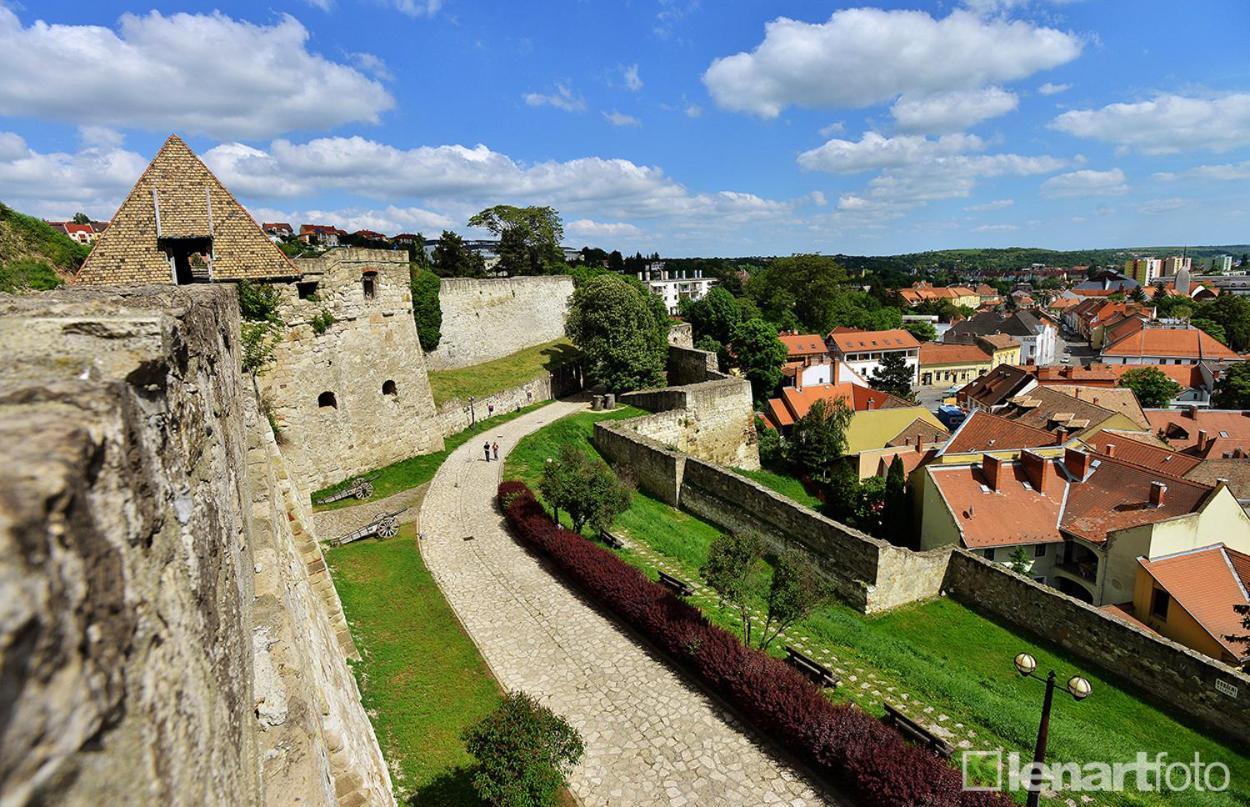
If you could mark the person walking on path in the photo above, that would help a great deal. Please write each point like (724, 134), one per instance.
(495, 448)
(486, 448)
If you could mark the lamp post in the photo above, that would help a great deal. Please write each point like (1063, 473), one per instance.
(1079, 688)
(472, 411)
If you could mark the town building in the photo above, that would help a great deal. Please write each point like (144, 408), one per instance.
(320, 235)
(878, 420)
(994, 389)
(1176, 264)
(278, 231)
(948, 364)
(1170, 344)
(675, 285)
(1197, 381)
(862, 351)
(1036, 336)
(808, 362)
(956, 295)
(1222, 264)
(1144, 270)
(1073, 415)
(1206, 433)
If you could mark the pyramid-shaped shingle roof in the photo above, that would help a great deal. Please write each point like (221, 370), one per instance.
(177, 197)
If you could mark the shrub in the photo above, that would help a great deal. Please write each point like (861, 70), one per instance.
(259, 340)
(17, 276)
(258, 302)
(322, 322)
(842, 742)
(524, 752)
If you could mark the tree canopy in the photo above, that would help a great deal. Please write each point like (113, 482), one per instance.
(734, 570)
(893, 375)
(621, 330)
(1232, 391)
(715, 315)
(585, 488)
(1152, 387)
(453, 258)
(818, 439)
(760, 354)
(529, 238)
(426, 311)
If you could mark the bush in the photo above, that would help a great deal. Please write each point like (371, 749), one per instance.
(841, 742)
(322, 322)
(524, 752)
(258, 302)
(17, 276)
(426, 311)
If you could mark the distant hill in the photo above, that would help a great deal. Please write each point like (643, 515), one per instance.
(33, 255)
(1019, 257)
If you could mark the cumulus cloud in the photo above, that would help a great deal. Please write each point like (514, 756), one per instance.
(195, 73)
(632, 80)
(866, 56)
(952, 111)
(621, 119)
(693, 110)
(1225, 172)
(562, 98)
(417, 8)
(874, 151)
(1165, 124)
(56, 184)
(997, 204)
(391, 219)
(590, 230)
(1085, 182)
(1053, 89)
(837, 127)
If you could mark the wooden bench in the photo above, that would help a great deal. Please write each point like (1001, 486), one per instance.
(676, 585)
(611, 540)
(916, 733)
(818, 673)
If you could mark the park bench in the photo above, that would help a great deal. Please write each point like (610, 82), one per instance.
(916, 733)
(818, 673)
(611, 540)
(676, 585)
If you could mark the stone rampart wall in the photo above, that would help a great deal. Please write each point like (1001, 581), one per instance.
(681, 334)
(689, 366)
(492, 318)
(455, 416)
(1172, 675)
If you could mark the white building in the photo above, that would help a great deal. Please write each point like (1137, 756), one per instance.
(676, 285)
(1037, 337)
(862, 351)
(1222, 263)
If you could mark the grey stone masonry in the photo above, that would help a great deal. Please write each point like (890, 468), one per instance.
(492, 318)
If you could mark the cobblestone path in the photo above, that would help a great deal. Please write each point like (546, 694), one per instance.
(651, 738)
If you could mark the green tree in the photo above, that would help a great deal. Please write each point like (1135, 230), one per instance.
(715, 315)
(893, 375)
(1213, 329)
(81, 218)
(585, 488)
(710, 344)
(261, 326)
(1232, 391)
(760, 354)
(452, 258)
(923, 331)
(1152, 387)
(1137, 295)
(524, 753)
(529, 238)
(621, 330)
(796, 590)
(1232, 312)
(426, 311)
(896, 516)
(734, 570)
(802, 285)
(417, 254)
(1019, 561)
(616, 263)
(818, 439)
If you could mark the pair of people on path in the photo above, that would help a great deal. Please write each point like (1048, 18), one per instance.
(488, 448)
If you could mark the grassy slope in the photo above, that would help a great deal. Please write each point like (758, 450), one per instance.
(414, 471)
(941, 651)
(421, 678)
(780, 483)
(511, 371)
(32, 253)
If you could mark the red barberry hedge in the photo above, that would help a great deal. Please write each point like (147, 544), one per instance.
(842, 742)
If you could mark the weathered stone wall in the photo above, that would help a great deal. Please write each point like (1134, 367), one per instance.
(689, 366)
(712, 420)
(681, 334)
(490, 319)
(164, 638)
(369, 359)
(455, 416)
(1172, 675)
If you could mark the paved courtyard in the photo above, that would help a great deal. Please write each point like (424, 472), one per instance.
(650, 737)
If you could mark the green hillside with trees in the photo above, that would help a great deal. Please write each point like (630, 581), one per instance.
(33, 255)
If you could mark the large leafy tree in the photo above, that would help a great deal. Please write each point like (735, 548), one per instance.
(585, 488)
(760, 354)
(621, 330)
(818, 439)
(1232, 391)
(524, 753)
(453, 258)
(529, 237)
(734, 570)
(1232, 313)
(714, 315)
(895, 515)
(616, 263)
(425, 306)
(796, 590)
(1153, 388)
(893, 375)
(801, 286)
(923, 331)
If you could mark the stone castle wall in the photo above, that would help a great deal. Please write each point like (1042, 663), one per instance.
(369, 360)
(456, 415)
(492, 318)
(167, 635)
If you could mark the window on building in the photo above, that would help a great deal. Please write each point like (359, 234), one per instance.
(1039, 551)
(989, 554)
(389, 388)
(306, 290)
(1159, 603)
(370, 282)
(326, 400)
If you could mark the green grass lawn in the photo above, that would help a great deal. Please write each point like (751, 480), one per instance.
(940, 652)
(501, 374)
(783, 484)
(421, 678)
(415, 471)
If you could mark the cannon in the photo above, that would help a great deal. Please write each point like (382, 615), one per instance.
(361, 488)
(384, 526)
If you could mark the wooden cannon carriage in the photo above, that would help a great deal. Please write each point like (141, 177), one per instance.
(384, 526)
(361, 488)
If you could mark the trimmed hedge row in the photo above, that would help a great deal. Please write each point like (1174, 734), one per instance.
(842, 742)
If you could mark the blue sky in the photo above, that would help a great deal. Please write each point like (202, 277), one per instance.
(688, 128)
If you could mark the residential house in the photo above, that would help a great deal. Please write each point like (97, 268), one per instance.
(1036, 337)
(879, 419)
(992, 390)
(1144, 270)
(1196, 380)
(321, 235)
(988, 296)
(808, 362)
(956, 295)
(1190, 597)
(862, 351)
(946, 364)
(1063, 414)
(1206, 433)
(84, 233)
(1166, 345)
(1106, 283)
(369, 235)
(278, 231)
(408, 240)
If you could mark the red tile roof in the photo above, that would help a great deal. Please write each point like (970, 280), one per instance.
(1160, 460)
(1180, 427)
(937, 353)
(1117, 399)
(857, 341)
(1193, 343)
(1014, 514)
(1207, 583)
(983, 431)
(996, 386)
(803, 344)
(1116, 495)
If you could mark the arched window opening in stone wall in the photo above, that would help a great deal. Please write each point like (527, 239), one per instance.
(326, 400)
(389, 388)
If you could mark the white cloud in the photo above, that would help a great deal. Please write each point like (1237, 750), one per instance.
(56, 184)
(1053, 89)
(866, 56)
(997, 204)
(194, 73)
(693, 111)
(324, 5)
(837, 127)
(417, 8)
(372, 64)
(818, 198)
(391, 220)
(1166, 123)
(632, 81)
(952, 111)
(590, 230)
(621, 119)
(995, 228)
(874, 151)
(562, 98)
(1226, 172)
(1086, 182)
(100, 136)
(1157, 206)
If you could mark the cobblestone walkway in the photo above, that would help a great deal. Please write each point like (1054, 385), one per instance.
(650, 737)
